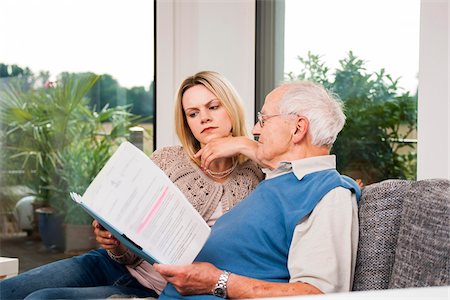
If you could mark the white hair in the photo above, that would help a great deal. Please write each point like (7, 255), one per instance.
(323, 110)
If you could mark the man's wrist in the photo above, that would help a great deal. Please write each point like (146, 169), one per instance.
(220, 289)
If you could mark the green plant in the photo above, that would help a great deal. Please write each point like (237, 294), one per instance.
(84, 160)
(59, 143)
(380, 117)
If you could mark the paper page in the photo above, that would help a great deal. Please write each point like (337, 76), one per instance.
(137, 198)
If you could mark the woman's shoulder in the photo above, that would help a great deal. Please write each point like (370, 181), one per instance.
(168, 150)
(168, 155)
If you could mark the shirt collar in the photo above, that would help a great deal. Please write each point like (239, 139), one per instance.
(303, 166)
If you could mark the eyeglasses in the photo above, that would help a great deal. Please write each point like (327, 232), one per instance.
(263, 118)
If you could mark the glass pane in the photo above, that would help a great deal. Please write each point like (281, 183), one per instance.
(368, 53)
(76, 79)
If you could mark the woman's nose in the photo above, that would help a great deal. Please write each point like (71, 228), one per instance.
(205, 116)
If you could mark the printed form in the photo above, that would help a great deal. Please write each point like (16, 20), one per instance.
(137, 199)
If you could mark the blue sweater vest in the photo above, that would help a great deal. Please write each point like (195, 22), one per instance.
(254, 238)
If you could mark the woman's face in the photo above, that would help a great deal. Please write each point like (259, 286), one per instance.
(205, 114)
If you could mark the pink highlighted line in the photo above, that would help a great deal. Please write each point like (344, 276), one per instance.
(153, 210)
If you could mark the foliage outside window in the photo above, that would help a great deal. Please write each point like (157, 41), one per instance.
(375, 142)
(52, 141)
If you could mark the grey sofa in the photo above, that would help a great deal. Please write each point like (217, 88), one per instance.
(404, 235)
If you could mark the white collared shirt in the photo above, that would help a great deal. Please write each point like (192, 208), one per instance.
(324, 244)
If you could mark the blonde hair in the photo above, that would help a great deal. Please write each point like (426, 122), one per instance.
(228, 97)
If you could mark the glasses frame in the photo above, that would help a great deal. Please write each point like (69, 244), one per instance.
(263, 117)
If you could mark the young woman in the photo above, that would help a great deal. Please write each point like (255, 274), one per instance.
(207, 109)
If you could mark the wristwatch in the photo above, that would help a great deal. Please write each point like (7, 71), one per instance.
(220, 290)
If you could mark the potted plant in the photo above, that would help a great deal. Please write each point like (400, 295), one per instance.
(82, 161)
(59, 142)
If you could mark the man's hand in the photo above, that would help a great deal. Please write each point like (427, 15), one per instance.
(193, 279)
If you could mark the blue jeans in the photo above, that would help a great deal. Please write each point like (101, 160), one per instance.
(92, 275)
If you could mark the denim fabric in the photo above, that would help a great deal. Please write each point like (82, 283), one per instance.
(93, 275)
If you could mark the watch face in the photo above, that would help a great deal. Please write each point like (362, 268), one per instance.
(219, 292)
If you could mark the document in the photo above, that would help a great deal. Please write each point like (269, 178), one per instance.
(136, 201)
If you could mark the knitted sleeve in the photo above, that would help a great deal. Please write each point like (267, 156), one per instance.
(128, 258)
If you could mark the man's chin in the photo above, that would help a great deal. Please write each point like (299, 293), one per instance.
(260, 156)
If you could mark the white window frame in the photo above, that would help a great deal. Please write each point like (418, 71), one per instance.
(201, 35)
(433, 133)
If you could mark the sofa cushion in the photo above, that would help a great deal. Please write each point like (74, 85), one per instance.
(423, 244)
(379, 221)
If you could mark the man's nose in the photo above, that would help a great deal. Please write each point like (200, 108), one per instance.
(256, 131)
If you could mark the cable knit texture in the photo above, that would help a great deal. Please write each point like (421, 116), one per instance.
(203, 192)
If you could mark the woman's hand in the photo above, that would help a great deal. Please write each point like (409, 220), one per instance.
(227, 147)
(106, 239)
(193, 279)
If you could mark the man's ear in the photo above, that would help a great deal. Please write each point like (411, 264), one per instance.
(301, 129)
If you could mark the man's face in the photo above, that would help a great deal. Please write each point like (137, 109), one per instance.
(275, 136)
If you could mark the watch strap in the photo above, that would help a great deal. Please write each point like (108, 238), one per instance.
(220, 289)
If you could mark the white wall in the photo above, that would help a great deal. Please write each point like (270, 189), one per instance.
(202, 35)
(433, 133)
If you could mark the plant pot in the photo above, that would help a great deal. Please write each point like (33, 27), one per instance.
(79, 238)
(51, 228)
(35, 221)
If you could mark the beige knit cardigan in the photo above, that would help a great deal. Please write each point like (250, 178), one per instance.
(203, 192)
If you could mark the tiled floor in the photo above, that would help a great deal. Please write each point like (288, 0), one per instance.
(30, 251)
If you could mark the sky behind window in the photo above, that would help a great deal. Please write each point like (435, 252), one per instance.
(116, 36)
(103, 36)
(384, 33)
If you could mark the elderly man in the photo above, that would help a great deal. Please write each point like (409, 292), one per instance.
(297, 232)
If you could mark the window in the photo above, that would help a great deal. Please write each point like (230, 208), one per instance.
(366, 52)
(73, 77)
(114, 39)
